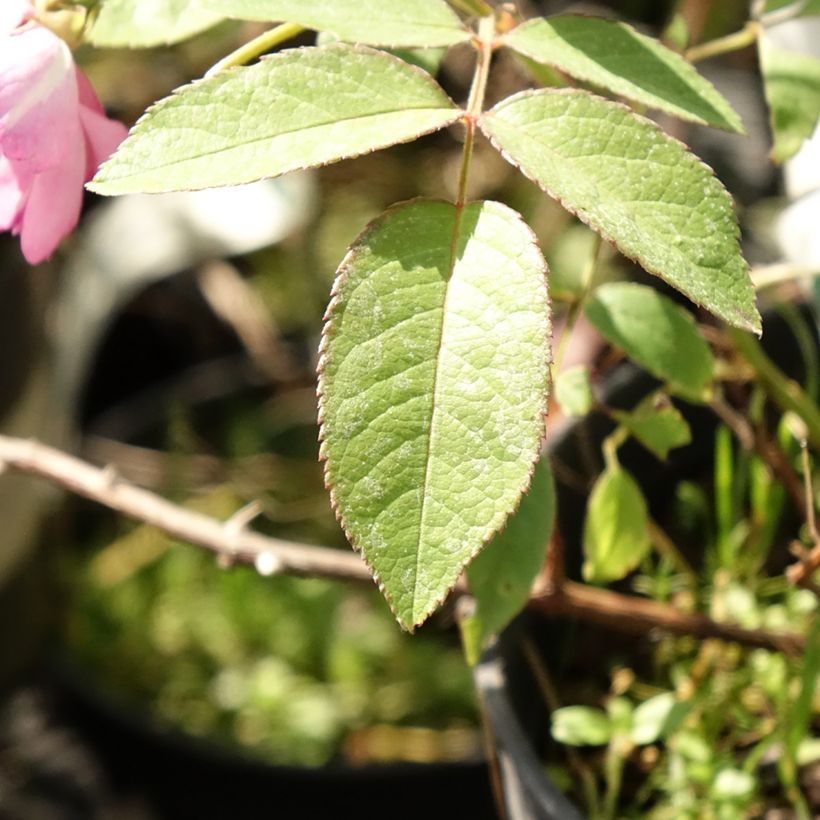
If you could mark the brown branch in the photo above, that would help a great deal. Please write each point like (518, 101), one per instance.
(231, 542)
(632, 614)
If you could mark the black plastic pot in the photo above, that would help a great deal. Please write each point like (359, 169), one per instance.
(528, 793)
(185, 778)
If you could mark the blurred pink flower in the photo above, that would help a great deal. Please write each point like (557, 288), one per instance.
(53, 133)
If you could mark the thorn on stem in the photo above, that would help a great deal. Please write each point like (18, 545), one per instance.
(234, 528)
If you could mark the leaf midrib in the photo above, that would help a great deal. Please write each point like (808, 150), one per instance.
(623, 204)
(247, 143)
(434, 414)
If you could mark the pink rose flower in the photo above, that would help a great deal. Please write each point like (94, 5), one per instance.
(53, 133)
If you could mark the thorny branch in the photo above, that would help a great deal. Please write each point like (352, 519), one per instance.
(231, 542)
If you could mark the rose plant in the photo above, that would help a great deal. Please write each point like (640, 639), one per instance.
(435, 369)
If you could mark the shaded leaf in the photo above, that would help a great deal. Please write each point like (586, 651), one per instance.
(791, 82)
(573, 391)
(613, 56)
(570, 256)
(428, 59)
(145, 23)
(502, 574)
(656, 333)
(615, 529)
(636, 186)
(374, 22)
(581, 726)
(659, 427)
(299, 108)
(433, 384)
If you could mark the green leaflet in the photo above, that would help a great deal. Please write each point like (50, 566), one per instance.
(658, 425)
(612, 55)
(374, 22)
(658, 334)
(502, 574)
(433, 386)
(145, 23)
(615, 529)
(791, 82)
(636, 186)
(657, 718)
(573, 391)
(299, 108)
(581, 726)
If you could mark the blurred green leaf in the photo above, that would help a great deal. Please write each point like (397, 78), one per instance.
(568, 256)
(615, 529)
(581, 726)
(657, 424)
(621, 713)
(732, 784)
(502, 574)
(373, 22)
(428, 59)
(573, 391)
(613, 56)
(658, 334)
(808, 751)
(656, 718)
(146, 23)
(791, 82)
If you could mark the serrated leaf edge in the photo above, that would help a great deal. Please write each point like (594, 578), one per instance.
(457, 113)
(754, 326)
(584, 77)
(340, 279)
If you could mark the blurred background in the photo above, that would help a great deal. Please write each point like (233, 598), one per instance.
(175, 337)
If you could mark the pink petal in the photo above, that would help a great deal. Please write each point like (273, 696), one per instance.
(38, 97)
(102, 134)
(54, 201)
(12, 196)
(13, 13)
